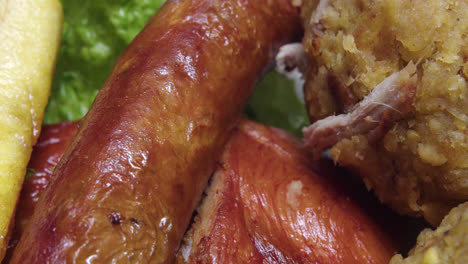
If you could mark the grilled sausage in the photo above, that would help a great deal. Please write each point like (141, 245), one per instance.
(126, 190)
(268, 203)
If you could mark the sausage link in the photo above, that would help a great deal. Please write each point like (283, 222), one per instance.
(126, 190)
(268, 203)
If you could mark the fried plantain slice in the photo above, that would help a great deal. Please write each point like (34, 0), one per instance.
(30, 32)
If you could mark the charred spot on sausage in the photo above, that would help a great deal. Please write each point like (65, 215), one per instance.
(115, 218)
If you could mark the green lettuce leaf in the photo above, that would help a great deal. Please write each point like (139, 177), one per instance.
(275, 103)
(95, 33)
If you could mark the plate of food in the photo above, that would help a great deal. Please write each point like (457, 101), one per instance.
(245, 131)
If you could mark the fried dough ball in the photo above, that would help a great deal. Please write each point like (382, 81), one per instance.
(447, 244)
(394, 74)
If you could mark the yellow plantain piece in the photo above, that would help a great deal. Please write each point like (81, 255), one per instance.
(30, 32)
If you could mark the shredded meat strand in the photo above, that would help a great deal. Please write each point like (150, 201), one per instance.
(388, 102)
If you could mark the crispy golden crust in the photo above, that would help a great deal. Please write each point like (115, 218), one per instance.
(422, 159)
(126, 190)
(447, 244)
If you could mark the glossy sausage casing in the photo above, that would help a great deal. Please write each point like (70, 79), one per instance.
(126, 189)
(270, 203)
